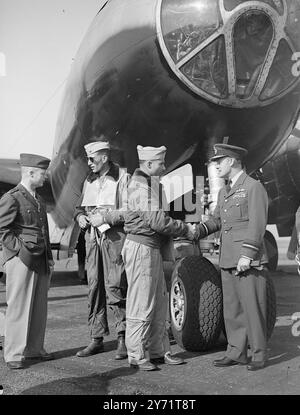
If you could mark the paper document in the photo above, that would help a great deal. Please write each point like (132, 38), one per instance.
(100, 193)
(103, 228)
(178, 182)
(90, 197)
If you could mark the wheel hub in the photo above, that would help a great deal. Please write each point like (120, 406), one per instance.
(178, 296)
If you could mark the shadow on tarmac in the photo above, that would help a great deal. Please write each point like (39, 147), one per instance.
(109, 346)
(65, 279)
(68, 297)
(97, 384)
(283, 346)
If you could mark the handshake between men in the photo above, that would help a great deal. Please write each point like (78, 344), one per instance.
(97, 219)
(193, 233)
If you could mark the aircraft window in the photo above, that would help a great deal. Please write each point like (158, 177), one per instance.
(187, 24)
(280, 76)
(252, 35)
(208, 69)
(293, 22)
(232, 4)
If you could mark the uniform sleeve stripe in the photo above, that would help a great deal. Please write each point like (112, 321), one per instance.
(251, 246)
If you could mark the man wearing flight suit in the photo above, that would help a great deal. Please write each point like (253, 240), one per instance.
(241, 215)
(147, 226)
(27, 256)
(104, 191)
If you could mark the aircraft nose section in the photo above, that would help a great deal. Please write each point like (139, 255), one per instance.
(234, 53)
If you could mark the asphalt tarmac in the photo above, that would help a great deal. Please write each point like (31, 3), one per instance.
(102, 375)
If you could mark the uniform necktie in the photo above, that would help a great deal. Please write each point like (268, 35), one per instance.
(228, 186)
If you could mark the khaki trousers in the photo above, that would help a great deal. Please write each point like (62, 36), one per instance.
(26, 314)
(147, 303)
(97, 311)
(245, 313)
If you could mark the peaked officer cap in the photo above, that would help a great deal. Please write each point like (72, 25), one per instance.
(34, 160)
(92, 148)
(226, 150)
(151, 153)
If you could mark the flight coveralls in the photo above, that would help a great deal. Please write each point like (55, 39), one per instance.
(106, 275)
(148, 227)
(241, 216)
(24, 236)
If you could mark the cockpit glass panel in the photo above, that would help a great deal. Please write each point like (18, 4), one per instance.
(232, 4)
(293, 22)
(186, 24)
(281, 74)
(252, 36)
(208, 69)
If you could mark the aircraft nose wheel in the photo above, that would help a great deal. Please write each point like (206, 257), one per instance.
(177, 300)
(196, 304)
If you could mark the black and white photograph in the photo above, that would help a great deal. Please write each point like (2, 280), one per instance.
(149, 201)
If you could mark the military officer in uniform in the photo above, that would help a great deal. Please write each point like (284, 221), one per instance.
(241, 215)
(103, 197)
(28, 264)
(147, 227)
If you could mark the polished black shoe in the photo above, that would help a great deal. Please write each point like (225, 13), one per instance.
(15, 365)
(121, 352)
(168, 359)
(225, 362)
(94, 347)
(146, 366)
(256, 365)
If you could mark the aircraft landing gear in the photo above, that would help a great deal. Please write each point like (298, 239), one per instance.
(196, 304)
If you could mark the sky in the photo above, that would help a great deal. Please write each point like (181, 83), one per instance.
(38, 42)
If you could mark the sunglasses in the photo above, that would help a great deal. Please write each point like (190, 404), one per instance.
(91, 159)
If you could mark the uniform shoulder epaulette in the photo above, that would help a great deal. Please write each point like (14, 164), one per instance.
(9, 192)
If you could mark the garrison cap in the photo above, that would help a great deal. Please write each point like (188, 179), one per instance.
(34, 160)
(226, 150)
(92, 148)
(151, 153)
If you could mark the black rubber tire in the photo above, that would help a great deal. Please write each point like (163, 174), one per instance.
(272, 250)
(199, 285)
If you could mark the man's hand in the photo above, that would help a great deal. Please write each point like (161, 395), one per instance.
(83, 221)
(97, 220)
(191, 235)
(243, 265)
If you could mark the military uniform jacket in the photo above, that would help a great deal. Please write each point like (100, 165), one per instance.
(241, 215)
(24, 229)
(146, 221)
